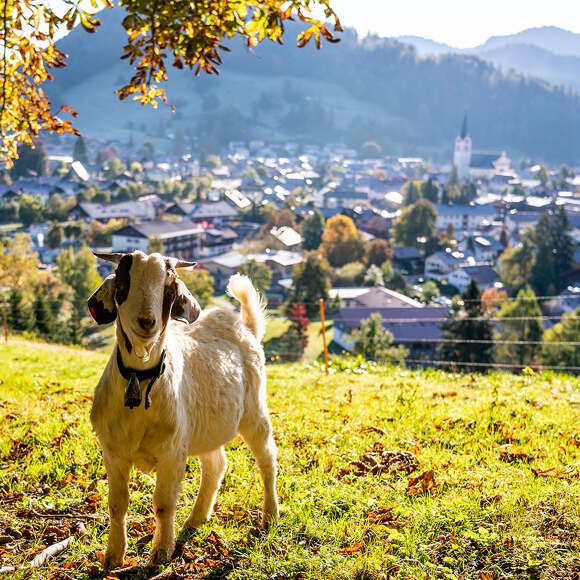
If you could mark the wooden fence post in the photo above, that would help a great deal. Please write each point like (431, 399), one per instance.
(324, 335)
(5, 308)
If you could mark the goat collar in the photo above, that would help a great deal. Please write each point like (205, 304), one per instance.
(134, 377)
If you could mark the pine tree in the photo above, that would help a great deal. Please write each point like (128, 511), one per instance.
(312, 229)
(520, 324)
(563, 246)
(430, 191)
(468, 324)
(311, 282)
(44, 323)
(19, 315)
(81, 152)
(542, 279)
(410, 193)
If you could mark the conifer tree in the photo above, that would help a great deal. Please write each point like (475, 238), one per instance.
(312, 229)
(542, 279)
(44, 322)
(469, 323)
(81, 152)
(411, 193)
(563, 246)
(430, 191)
(311, 282)
(19, 315)
(521, 329)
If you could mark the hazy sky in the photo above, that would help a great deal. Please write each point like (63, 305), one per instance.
(460, 23)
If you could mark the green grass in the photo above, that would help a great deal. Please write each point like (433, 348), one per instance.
(384, 472)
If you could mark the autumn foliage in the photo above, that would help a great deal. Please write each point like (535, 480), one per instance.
(191, 34)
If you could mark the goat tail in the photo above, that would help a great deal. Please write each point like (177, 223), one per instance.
(252, 304)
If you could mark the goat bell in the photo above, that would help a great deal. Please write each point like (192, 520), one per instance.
(133, 392)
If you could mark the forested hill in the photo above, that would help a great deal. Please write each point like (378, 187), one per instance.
(374, 89)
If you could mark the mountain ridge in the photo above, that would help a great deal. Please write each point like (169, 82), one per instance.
(352, 92)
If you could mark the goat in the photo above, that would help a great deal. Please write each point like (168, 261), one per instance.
(206, 384)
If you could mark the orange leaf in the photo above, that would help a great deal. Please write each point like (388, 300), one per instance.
(354, 549)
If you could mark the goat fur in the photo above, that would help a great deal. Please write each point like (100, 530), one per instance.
(213, 387)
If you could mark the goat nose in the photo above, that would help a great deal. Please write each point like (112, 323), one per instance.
(146, 322)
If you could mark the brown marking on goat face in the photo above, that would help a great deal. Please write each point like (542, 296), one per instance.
(123, 279)
(128, 344)
(169, 293)
(185, 308)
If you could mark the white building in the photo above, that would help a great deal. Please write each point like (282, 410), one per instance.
(464, 217)
(476, 164)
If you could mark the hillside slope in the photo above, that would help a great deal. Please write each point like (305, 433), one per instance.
(355, 91)
(421, 474)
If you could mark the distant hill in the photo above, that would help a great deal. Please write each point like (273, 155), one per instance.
(537, 62)
(548, 53)
(351, 92)
(551, 38)
(427, 47)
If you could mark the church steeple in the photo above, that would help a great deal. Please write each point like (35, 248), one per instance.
(463, 133)
(462, 153)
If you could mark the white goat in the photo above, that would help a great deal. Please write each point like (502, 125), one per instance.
(205, 384)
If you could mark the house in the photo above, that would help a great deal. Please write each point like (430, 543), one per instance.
(103, 212)
(519, 221)
(222, 266)
(484, 248)
(439, 265)
(180, 239)
(335, 198)
(464, 217)
(485, 276)
(374, 297)
(288, 237)
(215, 212)
(416, 328)
(216, 241)
(408, 260)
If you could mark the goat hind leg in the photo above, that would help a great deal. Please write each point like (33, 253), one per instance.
(213, 468)
(257, 434)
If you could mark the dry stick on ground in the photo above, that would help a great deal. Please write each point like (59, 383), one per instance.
(57, 548)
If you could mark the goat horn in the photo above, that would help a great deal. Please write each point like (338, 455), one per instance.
(115, 258)
(184, 264)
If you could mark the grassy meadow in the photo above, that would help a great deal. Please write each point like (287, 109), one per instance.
(384, 473)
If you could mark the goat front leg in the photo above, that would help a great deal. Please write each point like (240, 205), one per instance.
(170, 473)
(118, 478)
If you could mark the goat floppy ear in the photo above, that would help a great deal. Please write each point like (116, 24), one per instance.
(185, 307)
(101, 303)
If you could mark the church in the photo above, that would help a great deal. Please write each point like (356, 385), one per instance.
(472, 165)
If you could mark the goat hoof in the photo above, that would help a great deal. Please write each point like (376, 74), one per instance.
(158, 556)
(111, 562)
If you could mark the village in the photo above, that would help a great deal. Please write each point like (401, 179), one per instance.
(422, 231)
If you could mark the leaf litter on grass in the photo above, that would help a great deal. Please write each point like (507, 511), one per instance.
(434, 498)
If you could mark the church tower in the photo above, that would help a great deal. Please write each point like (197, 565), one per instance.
(462, 152)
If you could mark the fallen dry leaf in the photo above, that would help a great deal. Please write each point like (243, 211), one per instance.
(421, 483)
(515, 453)
(550, 472)
(354, 549)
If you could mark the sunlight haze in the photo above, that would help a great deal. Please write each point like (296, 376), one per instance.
(455, 22)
